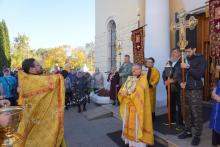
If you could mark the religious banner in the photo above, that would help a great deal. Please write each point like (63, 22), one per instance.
(138, 45)
(214, 11)
(217, 17)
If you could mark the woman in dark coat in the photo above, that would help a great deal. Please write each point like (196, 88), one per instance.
(79, 90)
(114, 80)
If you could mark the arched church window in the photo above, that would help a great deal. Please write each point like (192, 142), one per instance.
(112, 42)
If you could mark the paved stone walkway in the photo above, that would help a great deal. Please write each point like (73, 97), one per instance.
(79, 132)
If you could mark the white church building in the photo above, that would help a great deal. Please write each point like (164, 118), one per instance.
(115, 19)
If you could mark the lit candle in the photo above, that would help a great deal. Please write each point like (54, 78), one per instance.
(138, 16)
(138, 11)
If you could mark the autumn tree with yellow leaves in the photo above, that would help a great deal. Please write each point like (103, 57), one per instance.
(50, 56)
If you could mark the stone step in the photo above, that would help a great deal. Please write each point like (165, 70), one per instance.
(113, 109)
(170, 140)
(206, 139)
(97, 113)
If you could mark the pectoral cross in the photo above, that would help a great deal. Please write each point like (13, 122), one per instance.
(182, 25)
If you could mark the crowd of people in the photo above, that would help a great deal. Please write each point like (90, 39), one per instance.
(78, 85)
(77, 88)
(8, 85)
(133, 87)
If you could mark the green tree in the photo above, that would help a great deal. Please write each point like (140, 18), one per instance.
(5, 59)
(21, 50)
(7, 43)
(41, 53)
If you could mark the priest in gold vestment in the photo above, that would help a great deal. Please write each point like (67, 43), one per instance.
(135, 110)
(153, 78)
(43, 98)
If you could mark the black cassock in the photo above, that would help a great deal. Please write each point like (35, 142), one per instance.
(114, 80)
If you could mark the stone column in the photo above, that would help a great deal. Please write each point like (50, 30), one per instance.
(157, 39)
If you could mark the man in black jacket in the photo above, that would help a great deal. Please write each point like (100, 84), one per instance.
(174, 62)
(194, 66)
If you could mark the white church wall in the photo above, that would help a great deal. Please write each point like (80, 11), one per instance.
(124, 13)
(157, 40)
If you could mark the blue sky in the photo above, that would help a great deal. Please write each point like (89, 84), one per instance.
(50, 23)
